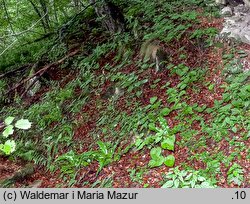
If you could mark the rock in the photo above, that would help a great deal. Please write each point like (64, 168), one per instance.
(220, 2)
(34, 86)
(247, 3)
(226, 11)
(246, 36)
(241, 9)
(238, 25)
(232, 2)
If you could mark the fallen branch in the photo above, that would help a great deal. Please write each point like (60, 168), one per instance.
(42, 71)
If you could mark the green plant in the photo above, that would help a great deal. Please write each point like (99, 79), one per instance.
(203, 126)
(235, 174)
(9, 145)
(70, 159)
(104, 183)
(105, 154)
(207, 33)
(70, 162)
(136, 175)
(156, 157)
(162, 135)
(186, 179)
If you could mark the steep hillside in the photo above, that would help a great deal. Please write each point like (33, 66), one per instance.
(103, 116)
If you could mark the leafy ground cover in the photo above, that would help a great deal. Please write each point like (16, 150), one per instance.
(187, 126)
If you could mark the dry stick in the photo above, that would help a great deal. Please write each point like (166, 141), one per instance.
(43, 70)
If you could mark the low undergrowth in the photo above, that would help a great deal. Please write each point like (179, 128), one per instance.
(190, 120)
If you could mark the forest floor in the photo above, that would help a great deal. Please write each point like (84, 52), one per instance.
(131, 169)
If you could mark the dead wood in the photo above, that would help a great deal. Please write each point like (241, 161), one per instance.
(39, 73)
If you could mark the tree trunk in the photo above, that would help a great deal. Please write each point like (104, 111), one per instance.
(40, 15)
(112, 17)
(8, 17)
(45, 12)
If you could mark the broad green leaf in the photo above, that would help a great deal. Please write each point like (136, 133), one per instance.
(168, 143)
(168, 184)
(155, 153)
(1, 147)
(201, 178)
(176, 183)
(152, 127)
(156, 162)
(192, 183)
(9, 130)
(163, 122)
(156, 105)
(241, 52)
(156, 81)
(6, 149)
(183, 86)
(102, 147)
(205, 184)
(165, 111)
(188, 176)
(234, 129)
(9, 147)
(138, 142)
(153, 99)
(141, 145)
(183, 173)
(158, 137)
(9, 120)
(169, 161)
(211, 87)
(227, 56)
(23, 124)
